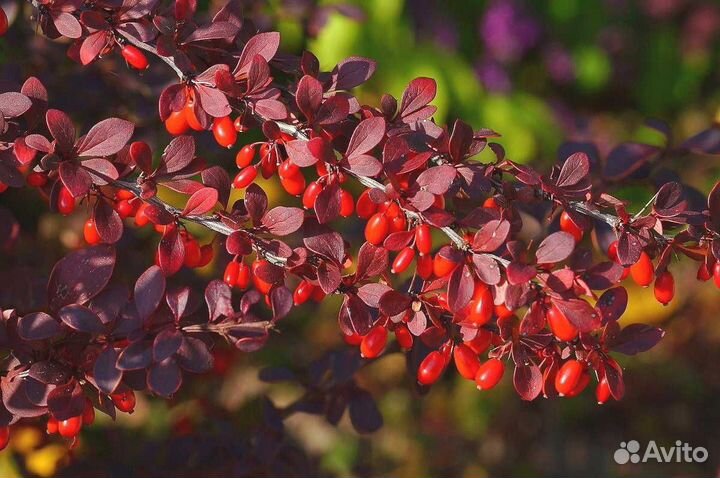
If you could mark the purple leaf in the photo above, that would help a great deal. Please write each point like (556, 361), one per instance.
(178, 154)
(263, 44)
(81, 275)
(528, 381)
(136, 356)
(636, 338)
(177, 300)
(328, 202)
(366, 136)
(575, 169)
(217, 178)
(218, 297)
(352, 72)
(579, 313)
(612, 304)
(308, 96)
(166, 343)
(105, 372)
(171, 251)
(14, 104)
(202, 201)
(81, 318)
(107, 222)
(194, 356)
(149, 291)
(38, 326)
(460, 288)
(364, 414)
(555, 248)
(61, 128)
(282, 220)
(75, 178)
(627, 158)
(416, 96)
(106, 138)
(164, 378)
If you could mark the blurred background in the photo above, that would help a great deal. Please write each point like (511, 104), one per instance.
(540, 73)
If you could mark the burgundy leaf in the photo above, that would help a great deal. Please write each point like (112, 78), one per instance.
(166, 343)
(202, 201)
(574, 169)
(281, 301)
(555, 248)
(612, 304)
(329, 277)
(66, 24)
(460, 288)
(38, 326)
(282, 220)
(308, 96)
(100, 170)
(136, 356)
(149, 291)
(579, 313)
(218, 297)
(417, 95)
(75, 178)
(636, 338)
(528, 381)
(437, 179)
(486, 268)
(105, 372)
(263, 44)
(106, 138)
(178, 154)
(217, 178)
(366, 136)
(14, 104)
(354, 317)
(61, 128)
(107, 222)
(194, 356)
(177, 300)
(171, 251)
(352, 72)
(492, 235)
(81, 318)
(518, 273)
(327, 204)
(81, 275)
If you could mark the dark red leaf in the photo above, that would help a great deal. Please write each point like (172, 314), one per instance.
(202, 201)
(416, 96)
(282, 220)
(194, 356)
(166, 343)
(81, 318)
(81, 275)
(136, 356)
(366, 136)
(528, 381)
(555, 248)
(636, 338)
(105, 372)
(492, 235)
(61, 128)
(105, 138)
(218, 297)
(352, 72)
(460, 288)
(107, 221)
(171, 251)
(38, 326)
(75, 178)
(579, 313)
(149, 291)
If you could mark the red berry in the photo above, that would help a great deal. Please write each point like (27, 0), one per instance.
(71, 427)
(582, 383)
(373, 344)
(288, 169)
(431, 368)
(560, 326)
(239, 124)
(642, 271)
(613, 255)
(466, 361)
(365, 207)
(376, 229)
(245, 177)
(424, 266)
(502, 311)
(231, 273)
(311, 193)
(294, 185)
(65, 201)
(664, 288)
(490, 203)
(52, 426)
(124, 208)
(245, 156)
(191, 118)
(480, 308)
(224, 131)
(192, 253)
(489, 374)
(602, 392)
(243, 278)
(353, 339)
(481, 341)
(124, 401)
(398, 223)
(423, 239)
(134, 57)
(443, 266)
(403, 260)
(392, 210)
(206, 255)
(568, 376)
(318, 295)
(569, 226)
(90, 232)
(404, 337)
(303, 292)
(36, 180)
(141, 218)
(703, 273)
(716, 274)
(269, 161)
(347, 203)
(121, 194)
(3, 22)
(4, 431)
(261, 285)
(176, 123)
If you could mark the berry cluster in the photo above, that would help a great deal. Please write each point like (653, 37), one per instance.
(447, 265)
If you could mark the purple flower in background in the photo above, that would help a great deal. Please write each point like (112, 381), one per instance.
(507, 31)
(559, 64)
(493, 76)
(435, 26)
